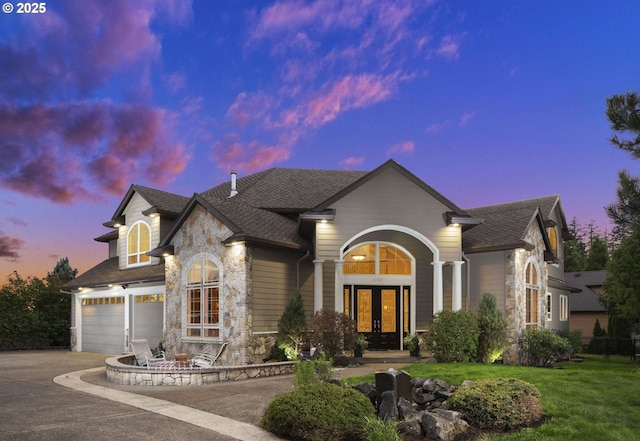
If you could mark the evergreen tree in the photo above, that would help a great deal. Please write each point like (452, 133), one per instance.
(292, 326)
(492, 325)
(626, 210)
(623, 112)
(598, 255)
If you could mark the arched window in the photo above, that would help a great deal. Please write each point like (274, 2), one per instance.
(203, 300)
(532, 286)
(377, 258)
(553, 240)
(138, 243)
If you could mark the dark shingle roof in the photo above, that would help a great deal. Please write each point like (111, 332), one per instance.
(163, 200)
(587, 300)
(107, 272)
(505, 225)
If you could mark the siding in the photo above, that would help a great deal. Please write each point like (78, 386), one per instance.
(133, 214)
(487, 274)
(584, 321)
(274, 282)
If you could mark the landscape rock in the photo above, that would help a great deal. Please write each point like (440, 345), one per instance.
(388, 408)
(443, 425)
(406, 411)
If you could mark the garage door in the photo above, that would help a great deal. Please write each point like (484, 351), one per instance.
(146, 318)
(103, 325)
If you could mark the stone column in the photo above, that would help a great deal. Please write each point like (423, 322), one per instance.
(438, 299)
(339, 296)
(317, 285)
(457, 285)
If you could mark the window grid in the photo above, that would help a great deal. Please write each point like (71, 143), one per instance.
(203, 300)
(532, 289)
(138, 243)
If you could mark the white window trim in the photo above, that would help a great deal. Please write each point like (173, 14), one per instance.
(549, 306)
(185, 287)
(564, 308)
(537, 287)
(139, 253)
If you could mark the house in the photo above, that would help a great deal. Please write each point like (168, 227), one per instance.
(381, 246)
(586, 307)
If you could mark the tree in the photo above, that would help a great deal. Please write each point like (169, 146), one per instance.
(292, 326)
(492, 340)
(622, 285)
(626, 210)
(62, 273)
(598, 255)
(623, 112)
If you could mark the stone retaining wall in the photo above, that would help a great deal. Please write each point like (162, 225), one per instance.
(127, 374)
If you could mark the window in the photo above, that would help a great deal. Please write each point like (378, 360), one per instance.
(377, 258)
(553, 240)
(548, 299)
(138, 243)
(564, 308)
(532, 288)
(203, 300)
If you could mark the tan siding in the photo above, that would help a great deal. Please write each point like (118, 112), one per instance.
(487, 274)
(584, 321)
(274, 282)
(133, 214)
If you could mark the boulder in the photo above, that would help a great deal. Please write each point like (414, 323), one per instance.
(443, 425)
(388, 409)
(406, 410)
(412, 427)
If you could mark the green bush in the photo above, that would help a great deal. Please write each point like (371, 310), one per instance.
(452, 336)
(380, 430)
(319, 412)
(292, 326)
(312, 371)
(543, 347)
(333, 332)
(492, 339)
(574, 338)
(498, 404)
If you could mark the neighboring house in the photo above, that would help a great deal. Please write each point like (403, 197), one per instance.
(586, 306)
(381, 246)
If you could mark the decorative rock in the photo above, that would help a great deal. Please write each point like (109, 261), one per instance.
(397, 381)
(442, 425)
(412, 427)
(369, 390)
(405, 409)
(388, 409)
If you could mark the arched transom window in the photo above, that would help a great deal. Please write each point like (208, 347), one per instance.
(138, 243)
(203, 300)
(553, 240)
(532, 286)
(377, 258)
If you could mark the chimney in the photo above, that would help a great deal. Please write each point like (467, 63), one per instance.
(234, 190)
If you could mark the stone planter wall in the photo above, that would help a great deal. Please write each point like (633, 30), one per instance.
(119, 372)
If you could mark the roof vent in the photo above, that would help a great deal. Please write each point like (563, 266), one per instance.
(234, 190)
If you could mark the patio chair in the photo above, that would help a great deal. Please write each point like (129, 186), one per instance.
(207, 359)
(143, 354)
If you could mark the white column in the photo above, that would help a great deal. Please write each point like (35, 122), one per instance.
(339, 295)
(317, 285)
(457, 285)
(438, 299)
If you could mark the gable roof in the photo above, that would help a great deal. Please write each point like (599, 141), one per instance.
(163, 201)
(107, 272)
(587, 281)
(505, 225)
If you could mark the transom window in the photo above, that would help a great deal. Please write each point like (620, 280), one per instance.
(377, 258)
(553, 240)
(138, 243)
(532, 286)
(203, 300)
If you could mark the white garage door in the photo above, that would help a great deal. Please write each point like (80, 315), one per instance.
(146, 318)
(103, 325)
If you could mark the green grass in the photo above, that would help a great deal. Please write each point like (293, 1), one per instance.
(597, 399)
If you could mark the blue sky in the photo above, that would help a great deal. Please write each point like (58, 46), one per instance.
(487, 102)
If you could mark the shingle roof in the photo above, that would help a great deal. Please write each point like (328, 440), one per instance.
(107, 272)
(163, 200)
(587, 300)
(505, 225)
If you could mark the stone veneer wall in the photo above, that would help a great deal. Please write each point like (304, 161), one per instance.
(126, 374)
(515, 291)
(201, 235)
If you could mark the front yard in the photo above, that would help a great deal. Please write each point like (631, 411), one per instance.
(596, 399)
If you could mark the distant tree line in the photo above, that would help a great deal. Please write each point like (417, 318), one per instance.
(34, 313)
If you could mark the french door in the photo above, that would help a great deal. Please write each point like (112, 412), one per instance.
(377, 314)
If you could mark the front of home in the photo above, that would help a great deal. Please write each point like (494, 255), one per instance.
(381, 246)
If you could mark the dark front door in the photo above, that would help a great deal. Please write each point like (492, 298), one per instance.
(377, 314)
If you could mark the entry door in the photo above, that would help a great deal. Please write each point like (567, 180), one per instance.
(377, 314)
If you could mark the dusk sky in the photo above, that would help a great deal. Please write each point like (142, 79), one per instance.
(486, 101)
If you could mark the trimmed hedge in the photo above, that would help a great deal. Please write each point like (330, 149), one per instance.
(319, 412)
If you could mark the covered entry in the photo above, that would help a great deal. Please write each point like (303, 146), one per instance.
(378, 277)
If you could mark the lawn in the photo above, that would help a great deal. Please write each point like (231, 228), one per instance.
(596, 399)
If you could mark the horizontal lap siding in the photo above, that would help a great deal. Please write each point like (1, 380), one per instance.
(274, 282)
(133, 214)
(487, 274)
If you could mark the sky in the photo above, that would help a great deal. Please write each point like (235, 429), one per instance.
(487, 102)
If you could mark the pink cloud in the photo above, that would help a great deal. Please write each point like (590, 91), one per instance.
(352, 161)
(438, 127)
(468, 116)
(175, 82)
(449, 47)
(403, 147)
(231, 154)
(10, 247)
(17, 221)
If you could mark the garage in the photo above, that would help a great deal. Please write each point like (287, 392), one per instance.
(147, 318)
(103, 325)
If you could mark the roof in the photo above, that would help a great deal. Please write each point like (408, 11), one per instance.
(587, 300)
(163, 201)
(505, 225)
(107, 272)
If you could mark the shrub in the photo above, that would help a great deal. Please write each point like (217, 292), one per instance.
(319, 412)
(312, 371)
(292, 326)
(597, 343)
(452, 336)
(492, 327)
(498, 404)
(574, 338)
(543, 347)
(333, 332)
(380, 430)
